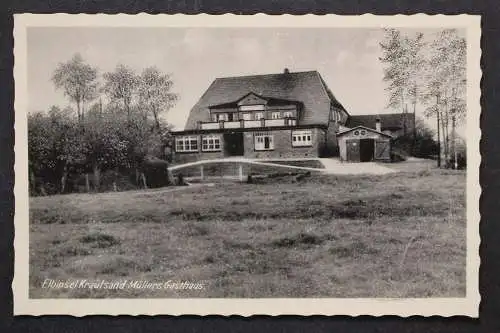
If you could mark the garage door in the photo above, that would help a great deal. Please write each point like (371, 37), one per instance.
(352, 150)
(382, 150)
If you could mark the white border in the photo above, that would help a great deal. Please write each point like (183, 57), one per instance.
(276, 306)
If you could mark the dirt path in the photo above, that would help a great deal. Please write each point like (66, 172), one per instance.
(336, 167)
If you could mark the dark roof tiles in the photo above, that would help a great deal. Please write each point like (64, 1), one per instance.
(306, 87)
(390, 121)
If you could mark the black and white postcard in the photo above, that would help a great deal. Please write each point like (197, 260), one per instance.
(204, 164)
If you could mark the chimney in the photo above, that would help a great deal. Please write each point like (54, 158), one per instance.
(286, 71)
(378, 125)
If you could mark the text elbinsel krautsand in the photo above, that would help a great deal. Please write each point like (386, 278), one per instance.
(122, 284)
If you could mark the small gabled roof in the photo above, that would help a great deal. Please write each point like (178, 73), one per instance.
(305, 87)
(365, 128)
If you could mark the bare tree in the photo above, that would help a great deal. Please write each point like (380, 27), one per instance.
(78, 80)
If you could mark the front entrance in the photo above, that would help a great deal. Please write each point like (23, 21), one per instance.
(366, 150)
(233, 144)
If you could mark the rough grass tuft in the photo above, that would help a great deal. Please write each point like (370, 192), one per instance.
(302, 238)
(99, 240)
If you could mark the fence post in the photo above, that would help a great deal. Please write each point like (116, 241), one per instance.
(202, 176)
(241, 172)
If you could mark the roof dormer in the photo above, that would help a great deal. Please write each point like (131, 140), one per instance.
(252, 99)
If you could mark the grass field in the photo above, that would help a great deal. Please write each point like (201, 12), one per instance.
(397, 235)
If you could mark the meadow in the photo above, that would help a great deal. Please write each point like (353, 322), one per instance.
(395, 235)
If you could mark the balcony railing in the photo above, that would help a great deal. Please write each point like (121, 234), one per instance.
(248, 123)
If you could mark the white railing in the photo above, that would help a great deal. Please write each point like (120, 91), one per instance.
(250, 123)
(275, 122)
(232, 124)
(210, 125)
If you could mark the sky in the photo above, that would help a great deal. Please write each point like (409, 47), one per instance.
(346, 58)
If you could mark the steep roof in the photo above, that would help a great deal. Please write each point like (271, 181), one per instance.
(306, 87)
(389, 121)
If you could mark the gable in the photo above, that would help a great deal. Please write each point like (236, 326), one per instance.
(306, 88)
(251, 99)
(371, 130)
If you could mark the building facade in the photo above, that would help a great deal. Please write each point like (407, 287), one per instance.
(286, 115)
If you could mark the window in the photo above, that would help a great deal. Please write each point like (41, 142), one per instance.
(259, 115)
(276, 115)
(221, 116)
(210, 143)
(287, 114)
(258, 107)
(301, 138)
(186, 144)
(247, 116)
(264, 141)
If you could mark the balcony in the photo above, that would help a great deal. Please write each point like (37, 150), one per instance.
(248, 123)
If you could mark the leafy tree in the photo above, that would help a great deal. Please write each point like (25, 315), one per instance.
(54, 145)
(403, 57)
(121, 85)
(78, 80)
(126, 133)
(430, 73)
(154, 93)
(104, 147)
(445, 95)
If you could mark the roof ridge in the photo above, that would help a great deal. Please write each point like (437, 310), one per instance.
(259, 75)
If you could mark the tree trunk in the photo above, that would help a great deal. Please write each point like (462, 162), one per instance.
(444, 125)
(445, 141)
(454, 142)
(403, 110)
(97, 177)
(448, 150)
(42, 190)
(78, 111)
(137, 176)
(32, 181)
(157, 121)
(63, 178)
(87, 182)
(115, 188)
(83, 111)
(143, 178)
(438, 132)
(414, 141)
(127, 107)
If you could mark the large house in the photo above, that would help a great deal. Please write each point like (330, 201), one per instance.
(286, 115)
